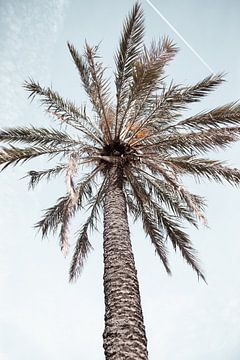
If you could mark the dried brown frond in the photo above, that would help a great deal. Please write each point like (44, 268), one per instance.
(71, 170)
(37, 176)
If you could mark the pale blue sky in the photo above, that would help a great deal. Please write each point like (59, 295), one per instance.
(42, 315)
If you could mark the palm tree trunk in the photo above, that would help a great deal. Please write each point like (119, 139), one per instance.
(124, 335)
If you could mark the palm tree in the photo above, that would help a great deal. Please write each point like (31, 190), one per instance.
(135, 152)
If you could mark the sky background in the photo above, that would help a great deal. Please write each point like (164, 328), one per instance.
(43, 316)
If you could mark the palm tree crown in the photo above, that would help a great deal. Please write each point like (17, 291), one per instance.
(141, 133)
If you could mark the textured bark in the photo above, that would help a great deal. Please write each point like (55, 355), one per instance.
(124, 335)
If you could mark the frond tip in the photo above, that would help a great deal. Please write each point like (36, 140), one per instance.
(82, 249)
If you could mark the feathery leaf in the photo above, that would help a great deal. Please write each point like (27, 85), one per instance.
(14, 155)
(37, 176)
(129, 49)
(37, 136)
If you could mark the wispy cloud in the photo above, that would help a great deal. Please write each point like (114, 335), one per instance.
(28, 32)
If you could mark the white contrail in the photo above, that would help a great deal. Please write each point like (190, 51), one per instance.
(180, 36)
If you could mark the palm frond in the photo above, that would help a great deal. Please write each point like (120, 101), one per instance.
(54, 215)
(181, 240)
(83, 70)
(200, 141)
(13, 155)
(83, 245)
(147, 74)
(133, 209)
(173, 231)
(128, 51)
(71, 169)
(65, 110)
(165, 108)
(151, 113)
(91, 76)
(148, 68)
(37, 136)
(37, 176)
(82, 249)
(177, 236)
(100, 86)
(194, 202)
(180, 96)
(94, 85)
(149, 223)
(228, 114)
(165, 194)
(211, 169)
